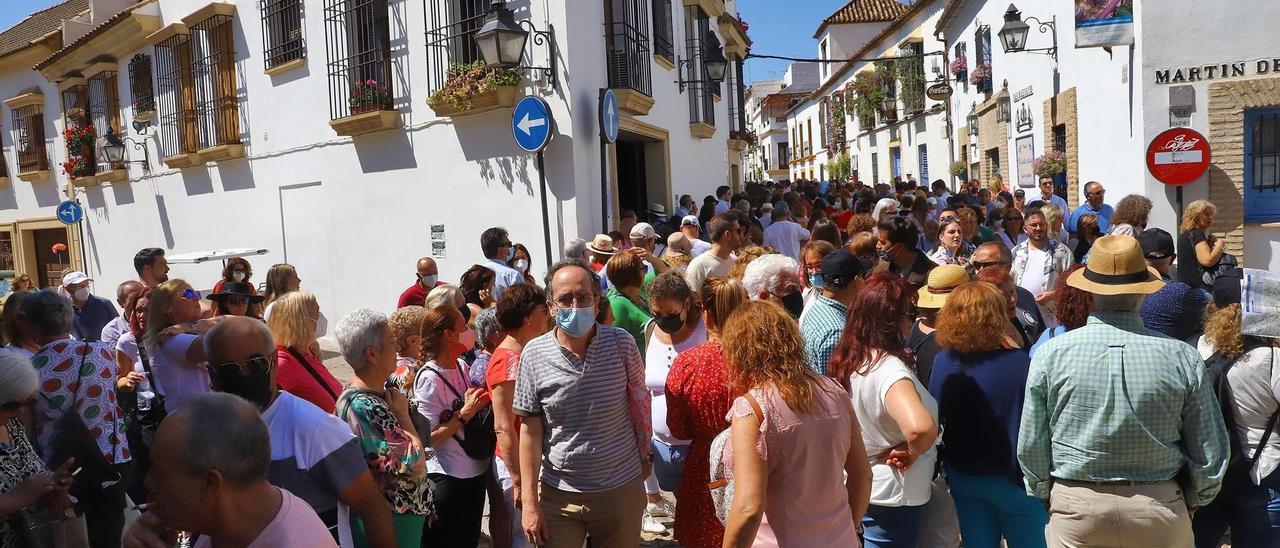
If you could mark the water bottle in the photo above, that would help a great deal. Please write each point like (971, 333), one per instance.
(145, 395)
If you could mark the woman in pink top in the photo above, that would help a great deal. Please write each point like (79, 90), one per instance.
(793, 431)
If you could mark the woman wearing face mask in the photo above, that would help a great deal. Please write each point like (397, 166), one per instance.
(236, 271)
(444, 395)
(677, 326)
(523, 262)
(811, 268)
(295, 325)
(954, 248)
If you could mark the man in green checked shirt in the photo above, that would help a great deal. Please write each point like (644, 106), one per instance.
(1120, 435)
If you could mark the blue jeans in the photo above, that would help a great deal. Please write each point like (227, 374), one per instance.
(1252, 512)
(891, 526)
(992, 507)
(668, 464)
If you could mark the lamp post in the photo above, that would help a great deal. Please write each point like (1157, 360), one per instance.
(113, 147)
(973, 121)
(502, 41)
(1013, 35)
(713, 62)
(1003, 107)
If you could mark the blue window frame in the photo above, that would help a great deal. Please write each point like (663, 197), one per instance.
(1262, 165)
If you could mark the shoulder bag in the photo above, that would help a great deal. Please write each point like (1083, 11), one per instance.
(721, 484)
(479, 440)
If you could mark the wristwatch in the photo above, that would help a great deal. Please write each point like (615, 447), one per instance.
(647, 459)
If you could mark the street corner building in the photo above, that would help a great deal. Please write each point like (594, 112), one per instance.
(349, 137)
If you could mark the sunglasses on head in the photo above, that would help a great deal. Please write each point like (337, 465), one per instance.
(191, 294)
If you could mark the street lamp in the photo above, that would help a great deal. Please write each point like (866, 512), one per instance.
(1003, 108)
(714, 63)
(890, 108)
(1013, 35)
(500, 38)
(973, 120)
(114, 151)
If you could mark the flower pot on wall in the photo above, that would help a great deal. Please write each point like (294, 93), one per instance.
(485, 101)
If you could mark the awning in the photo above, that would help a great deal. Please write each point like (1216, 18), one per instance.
(197, 257)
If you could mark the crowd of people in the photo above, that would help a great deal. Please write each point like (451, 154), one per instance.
(820, 364)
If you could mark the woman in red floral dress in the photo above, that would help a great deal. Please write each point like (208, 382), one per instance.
(697, 402)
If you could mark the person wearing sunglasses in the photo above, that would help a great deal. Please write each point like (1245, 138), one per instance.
(173, 337)
(237, 270)
(994, 255)
(235, 299)
(21, 282)
(25, 482)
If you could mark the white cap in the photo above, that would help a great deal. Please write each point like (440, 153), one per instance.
(75, 277)
(689, 220)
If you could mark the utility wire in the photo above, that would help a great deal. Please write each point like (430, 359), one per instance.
(864, 59)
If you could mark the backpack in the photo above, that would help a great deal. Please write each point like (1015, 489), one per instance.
(1239, 464)
(479, 439)
(721, 484)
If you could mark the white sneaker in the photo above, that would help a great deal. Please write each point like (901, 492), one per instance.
(661, 509)
(650, 525)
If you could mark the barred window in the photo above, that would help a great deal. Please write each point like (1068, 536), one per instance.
(282, 31)
(663, 35)
(359, 56)
(79, 134)
(140, 89)
(627, 45)
(28, 138)
(4, 160)
(737, 97)
(104, 105)
(452, 26)
(701, 103)
(214, 75)
(176, 97)
(911, 76)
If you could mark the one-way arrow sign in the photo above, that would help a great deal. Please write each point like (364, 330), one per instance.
(531, 124)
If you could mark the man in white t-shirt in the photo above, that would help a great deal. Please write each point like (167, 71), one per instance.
(726, 236)
(1037, 263)
(692, 229)
(784, 234)
(314, 455)
(209, 477)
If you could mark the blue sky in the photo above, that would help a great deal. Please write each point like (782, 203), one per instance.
(778, 27)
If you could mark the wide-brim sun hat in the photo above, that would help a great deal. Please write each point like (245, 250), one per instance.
(1116, 267)
(602, 244)
(943, 279)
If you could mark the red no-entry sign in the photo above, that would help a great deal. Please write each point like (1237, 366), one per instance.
(1178, 156)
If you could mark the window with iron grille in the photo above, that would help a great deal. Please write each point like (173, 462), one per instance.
(910, 71)
(451, 29)
(104, 105)
(1060, 138)
(282, 31)
(888, 84)
(78, 131)
(213, 72)
(1262, 165)
(140, 89)
(357, 37)
(982, 57)
(627, 45)
(663, 35)
(28, 138)
(875, 168)
(176, 97)
(737, 114)
(701, 103)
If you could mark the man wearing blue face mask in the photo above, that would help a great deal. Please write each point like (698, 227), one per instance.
(585, 430)
(823, 324)
(428, 278)
(497, 247)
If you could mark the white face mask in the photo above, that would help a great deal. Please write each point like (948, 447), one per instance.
(238, 275)
(322, 326)
(81, 294)
(429, 281)
(522, 264)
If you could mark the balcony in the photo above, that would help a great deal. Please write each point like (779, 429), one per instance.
(629, 56)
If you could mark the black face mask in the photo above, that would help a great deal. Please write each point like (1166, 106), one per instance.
(794, 303)
(251, 381)
(669, 324)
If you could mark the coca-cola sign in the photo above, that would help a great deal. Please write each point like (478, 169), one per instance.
(1178, 156)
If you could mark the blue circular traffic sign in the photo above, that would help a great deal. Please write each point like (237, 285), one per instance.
(70, 212)
(531, 124)
(609, 115)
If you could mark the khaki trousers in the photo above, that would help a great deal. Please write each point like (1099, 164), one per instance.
(1117, 515)
(611, 518)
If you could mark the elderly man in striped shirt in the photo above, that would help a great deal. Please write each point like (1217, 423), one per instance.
(584, 437)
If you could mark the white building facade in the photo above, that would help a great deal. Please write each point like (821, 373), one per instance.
(347, 138)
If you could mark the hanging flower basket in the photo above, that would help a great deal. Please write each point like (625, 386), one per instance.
(78, 136)
(473, 86)
(77, 166)
(959, 68)
(1051, 164)
(980, 74)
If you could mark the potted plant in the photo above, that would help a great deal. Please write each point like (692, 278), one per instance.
(77, 166)
(473, 88)
(959, 170)
(959, 68)
(981, 75)
(1052, 164)
(369, 95)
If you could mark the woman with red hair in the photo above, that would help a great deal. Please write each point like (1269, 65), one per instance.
(898, 416)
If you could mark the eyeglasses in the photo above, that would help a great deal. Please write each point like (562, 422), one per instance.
(251, 366)
(580, 300)
(1100, 192)
(191, 294)
(16, 405)
(979, 265)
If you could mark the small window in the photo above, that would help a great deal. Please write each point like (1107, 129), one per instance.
(4, 160)
(140, 89)
(822, 54)
(28, 138)
(1262, 165)
(78, 132)
(282, 31)
(663, 36)
(104, 106)
(875, 168)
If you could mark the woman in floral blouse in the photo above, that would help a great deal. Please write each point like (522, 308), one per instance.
(380, 420)
(25, 483)
(697, 402)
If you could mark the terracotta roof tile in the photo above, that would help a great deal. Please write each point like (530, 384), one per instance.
(38, 24)
(867, 11)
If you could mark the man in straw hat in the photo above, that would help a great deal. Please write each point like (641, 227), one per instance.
(942, 280)
(1121, 435)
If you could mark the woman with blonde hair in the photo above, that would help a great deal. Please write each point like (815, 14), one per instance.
(174, 340)
(1053, 216)
(281, 279)
(792, 431)
(745, 256)
(697, 399)
(443, 295)
(406, 325)
(1199, 250)
(21, 282)
(974, 371)
(295, 325)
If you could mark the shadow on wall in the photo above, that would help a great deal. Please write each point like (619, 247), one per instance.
(123, 193)
(47, 194)
(9, 200)
(385, 151)
(486, 140)
(401, 72)
(91, 240)
(163, 213)
(236, 175)
(96, 199)
(197, 181)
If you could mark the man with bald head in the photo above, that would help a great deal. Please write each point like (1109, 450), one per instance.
(428, 279)
(313, 454)
(209, 477)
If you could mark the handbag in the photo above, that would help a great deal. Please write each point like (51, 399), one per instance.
(479, 439)
(721, 484)
(71, 439)
(149, 420)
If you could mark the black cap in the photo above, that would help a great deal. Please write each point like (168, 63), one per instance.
(841, 266)
(1156, 244)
